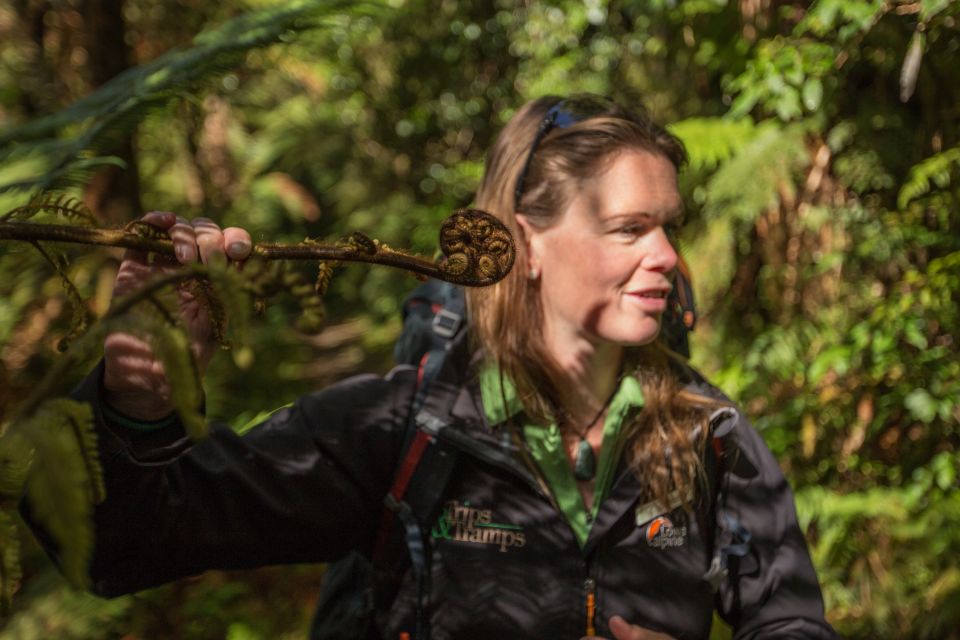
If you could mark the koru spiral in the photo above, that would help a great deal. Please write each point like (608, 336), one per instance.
(477, 248)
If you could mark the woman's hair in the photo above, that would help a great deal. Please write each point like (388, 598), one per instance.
(507, 318)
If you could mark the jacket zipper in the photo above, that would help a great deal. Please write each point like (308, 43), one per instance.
(590, 604)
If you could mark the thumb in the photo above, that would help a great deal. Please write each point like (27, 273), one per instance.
(623, 630)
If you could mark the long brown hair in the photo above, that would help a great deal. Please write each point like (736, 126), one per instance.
(506, 318)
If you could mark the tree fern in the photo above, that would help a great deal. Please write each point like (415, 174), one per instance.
(713, 141)
(935, 170)
(750, 182)
(121, 103)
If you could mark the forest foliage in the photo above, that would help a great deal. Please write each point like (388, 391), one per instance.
(823, 233)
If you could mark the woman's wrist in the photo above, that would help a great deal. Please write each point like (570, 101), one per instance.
(138, 406)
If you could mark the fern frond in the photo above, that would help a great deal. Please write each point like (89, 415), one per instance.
(71, 172)
(749, 182)
(200, 289)
(81, 423)
(60, 484)
(78, 319)
(16, 456)
(119, 105)
(60, 204)
(172, 348)
(936, 169)
(10, 571)
(712, 141)
(234, 300)
(186, 389)
(325, 269)
(312, 312)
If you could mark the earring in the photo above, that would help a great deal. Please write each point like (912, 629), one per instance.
(533, 274)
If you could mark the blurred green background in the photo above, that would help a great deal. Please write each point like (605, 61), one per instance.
(824, 232)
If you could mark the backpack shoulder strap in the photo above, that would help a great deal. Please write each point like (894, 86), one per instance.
(729, 539)
(426, 463)
(445, 312)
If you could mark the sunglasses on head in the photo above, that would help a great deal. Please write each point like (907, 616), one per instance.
(563, 114)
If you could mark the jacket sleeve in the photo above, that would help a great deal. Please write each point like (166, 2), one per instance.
(306, 485)
(772, 591)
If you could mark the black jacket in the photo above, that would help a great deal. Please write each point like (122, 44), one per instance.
(308, 485)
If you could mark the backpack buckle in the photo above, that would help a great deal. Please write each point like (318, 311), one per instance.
(446, 323)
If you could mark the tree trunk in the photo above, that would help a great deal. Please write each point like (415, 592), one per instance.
(114, 193)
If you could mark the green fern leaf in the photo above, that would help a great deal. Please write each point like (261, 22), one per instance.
(59, 486)
(60, 204)
(172, 347)
(186, 390)
(81, 422)
(235, 300)
(10, 571)
(936, 169)
(119, 105)
(70, 172)
(312, 312)
(750, 182)
(713, 141)
(16, 456)
(79, 320)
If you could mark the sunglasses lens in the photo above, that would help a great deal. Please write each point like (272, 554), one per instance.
(569, 112)
(565, 113)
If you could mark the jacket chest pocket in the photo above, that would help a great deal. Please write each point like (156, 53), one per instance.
(499, 553)
(651, 572)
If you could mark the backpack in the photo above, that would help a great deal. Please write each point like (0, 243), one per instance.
(434, 323)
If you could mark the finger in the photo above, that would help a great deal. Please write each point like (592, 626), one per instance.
(238, 243)
(184, 240)
(623, 630)
(134, 270)
(160, 219)
(209, 241)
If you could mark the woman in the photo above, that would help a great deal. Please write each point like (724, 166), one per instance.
(584, 500)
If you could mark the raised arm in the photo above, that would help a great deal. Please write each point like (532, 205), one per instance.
(305, 485)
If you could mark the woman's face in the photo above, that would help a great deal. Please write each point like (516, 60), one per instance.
(606, 265)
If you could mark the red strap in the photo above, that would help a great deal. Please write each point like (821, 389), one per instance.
(409, 465)
(397, 491)
(718, 448)
(421, 368)
(403, 476)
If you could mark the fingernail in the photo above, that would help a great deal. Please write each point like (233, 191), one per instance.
(181, 253)
(238, 249)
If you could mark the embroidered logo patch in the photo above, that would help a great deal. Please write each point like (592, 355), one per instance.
(661, 533)
(463, 523)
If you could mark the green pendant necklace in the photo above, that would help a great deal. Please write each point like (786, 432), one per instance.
(585, 462)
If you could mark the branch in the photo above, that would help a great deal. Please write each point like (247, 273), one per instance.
(478, 249)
